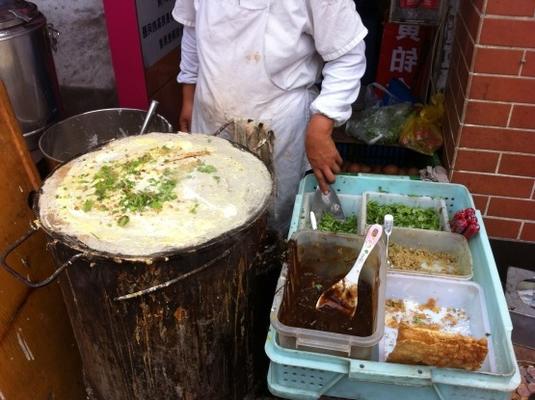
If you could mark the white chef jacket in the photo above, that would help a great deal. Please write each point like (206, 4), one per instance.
(260, 59)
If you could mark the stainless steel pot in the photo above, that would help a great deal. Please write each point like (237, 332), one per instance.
(77, 134)
(27, 67)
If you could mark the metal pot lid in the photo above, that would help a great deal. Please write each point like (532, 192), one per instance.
(16, 12)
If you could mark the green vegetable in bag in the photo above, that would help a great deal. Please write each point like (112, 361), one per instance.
(379, 125)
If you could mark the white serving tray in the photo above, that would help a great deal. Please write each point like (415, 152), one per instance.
(448, 293)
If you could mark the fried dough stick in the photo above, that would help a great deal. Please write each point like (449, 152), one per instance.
(417, 345)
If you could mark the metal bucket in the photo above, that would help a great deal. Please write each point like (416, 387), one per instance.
(173, 325)
(176, 329)
(77, 134)
(27, 67)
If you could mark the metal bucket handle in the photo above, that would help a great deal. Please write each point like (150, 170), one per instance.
(19, 277)
(170, 282)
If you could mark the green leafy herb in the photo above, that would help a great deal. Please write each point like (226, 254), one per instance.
(133, 166)
(88, 205)
(115, 186)
(150, 198)
(125, 184)
(404, 216)
(217, 178)
(417, 320)
(104, 181)
(206, 168)
(193, 209)
(123, 220)
(331, 224)
(165, 149)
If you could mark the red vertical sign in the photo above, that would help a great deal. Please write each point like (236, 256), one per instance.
(126, 56)
(402, 52)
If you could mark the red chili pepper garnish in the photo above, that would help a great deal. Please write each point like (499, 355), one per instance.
(465, 222)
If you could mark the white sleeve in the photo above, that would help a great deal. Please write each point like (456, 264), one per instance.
(189, 60)
(341, 85)
(184, 12)
(335, 26)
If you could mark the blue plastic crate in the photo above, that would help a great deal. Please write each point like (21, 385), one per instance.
(456, 196)
(296, 374)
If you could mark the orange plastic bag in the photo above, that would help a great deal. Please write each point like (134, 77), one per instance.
(422, 131)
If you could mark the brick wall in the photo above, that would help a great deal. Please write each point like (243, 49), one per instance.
(490, 101)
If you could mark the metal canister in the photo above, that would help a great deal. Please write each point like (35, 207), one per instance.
(27, 67)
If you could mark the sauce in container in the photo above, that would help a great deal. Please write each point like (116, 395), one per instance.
(312, 270)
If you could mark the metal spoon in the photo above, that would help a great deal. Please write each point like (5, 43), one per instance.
(150, 113)
(343, 295)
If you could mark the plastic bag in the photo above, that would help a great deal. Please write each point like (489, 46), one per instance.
(379, 125)
(398, 92)
(422, 131)
(395, 92)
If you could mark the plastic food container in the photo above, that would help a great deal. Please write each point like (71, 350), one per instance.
(439, 205)
(447, 293)
(314, 244)
(435, 241)
(351, 205)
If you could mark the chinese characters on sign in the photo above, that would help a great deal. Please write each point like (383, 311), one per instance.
(408, 31)
(154, 26)
(403, 60)
(159, 32)
(403, 52)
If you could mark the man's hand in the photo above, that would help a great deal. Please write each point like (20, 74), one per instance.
(321, 151)
(184, 120)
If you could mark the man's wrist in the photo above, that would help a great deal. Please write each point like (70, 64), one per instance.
(322, 123)
(188, 92)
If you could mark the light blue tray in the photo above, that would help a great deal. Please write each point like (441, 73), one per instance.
(295, 374)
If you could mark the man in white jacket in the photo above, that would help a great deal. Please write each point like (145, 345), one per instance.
(260, 60)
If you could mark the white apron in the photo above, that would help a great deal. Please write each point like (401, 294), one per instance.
(233, 84)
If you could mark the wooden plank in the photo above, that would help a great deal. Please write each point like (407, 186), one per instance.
(41, 313)
(18, 177)
(13, 145)
(39, 355)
